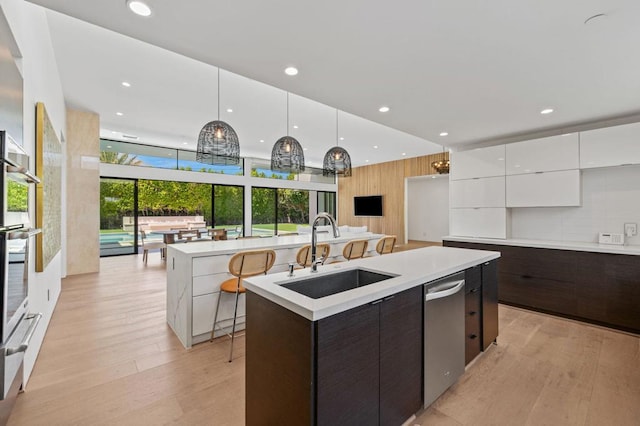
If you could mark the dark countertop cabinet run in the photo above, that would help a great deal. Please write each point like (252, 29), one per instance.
(599, 288)
(359, 367)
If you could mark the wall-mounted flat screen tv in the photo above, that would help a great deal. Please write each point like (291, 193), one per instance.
(367, 206)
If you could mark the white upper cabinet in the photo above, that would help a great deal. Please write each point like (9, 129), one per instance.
(611, 146)
(482, 192)
(477, 163)
(543, 155)
(546, 189)
(482, 223)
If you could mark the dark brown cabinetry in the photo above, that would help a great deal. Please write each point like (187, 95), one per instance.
(481, 308)
(361, 366)
(599, 288)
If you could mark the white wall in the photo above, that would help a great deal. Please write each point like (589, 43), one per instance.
(610, 197)
(427, 208)
(41, 84)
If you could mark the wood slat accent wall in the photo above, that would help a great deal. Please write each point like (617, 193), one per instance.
(386, 179)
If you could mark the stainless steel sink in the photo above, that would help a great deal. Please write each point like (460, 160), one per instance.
(328, 284)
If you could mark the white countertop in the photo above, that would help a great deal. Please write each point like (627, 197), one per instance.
(550, 244)
(211, 248)
(413, 267)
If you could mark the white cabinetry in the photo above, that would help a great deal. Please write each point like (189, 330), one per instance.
(479, 222)
(477, 193)
(543, 155)
(480, 192)
(544, 189)
(611, 146)
(477, 163)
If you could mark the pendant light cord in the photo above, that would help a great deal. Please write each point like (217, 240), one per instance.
(337, 131)
(287, 132)
(218, 93)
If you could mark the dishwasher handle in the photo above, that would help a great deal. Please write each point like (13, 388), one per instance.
(454, 287)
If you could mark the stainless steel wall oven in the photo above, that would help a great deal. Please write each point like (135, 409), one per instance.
(17, 325)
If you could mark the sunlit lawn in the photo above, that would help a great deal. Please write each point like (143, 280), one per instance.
(286, 227)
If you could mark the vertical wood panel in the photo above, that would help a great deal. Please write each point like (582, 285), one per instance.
(386, 179)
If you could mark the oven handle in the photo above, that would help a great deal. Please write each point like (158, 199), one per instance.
(27, 337)
(28, 176)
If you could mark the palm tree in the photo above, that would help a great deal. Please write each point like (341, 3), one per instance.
(119, 158)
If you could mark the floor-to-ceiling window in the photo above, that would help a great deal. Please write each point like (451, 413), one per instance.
(228, 209)
(164, 205)
(263, 211)
(327, 202)
(117, 218)
(293, 210)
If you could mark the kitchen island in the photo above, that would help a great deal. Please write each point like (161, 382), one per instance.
(353, 357)
(196, 269)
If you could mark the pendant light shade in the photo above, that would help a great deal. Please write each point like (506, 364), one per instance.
(218, 142)
(337, 160)
(287, 154)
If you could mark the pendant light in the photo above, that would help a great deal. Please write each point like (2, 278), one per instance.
(218, 142)
(287, 154)
(441, 165)
(337, 160)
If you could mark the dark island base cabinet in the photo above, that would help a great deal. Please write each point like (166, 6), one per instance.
(599, 288)
(360, 367)
(481, 308)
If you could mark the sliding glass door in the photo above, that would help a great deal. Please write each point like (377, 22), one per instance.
(263, 211)
(117, 216)
(293, 210)
(327, 203)
(228, 209)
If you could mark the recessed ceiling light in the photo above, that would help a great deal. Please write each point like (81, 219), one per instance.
(366, 161)
(341, 139)
(295, 127)
(185, 143)
(139, 7)
(291, 71)
(119, 113)
(114, 132)
(546, 111)
(404, 153)
(126, 84)
(304, 149)
(229, 110)
(375, 147)
(384, 109)
(261, 140)
(444, 134)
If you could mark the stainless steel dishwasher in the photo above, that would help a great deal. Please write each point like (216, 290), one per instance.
(443, 335)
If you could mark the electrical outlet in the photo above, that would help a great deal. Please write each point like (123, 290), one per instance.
(630, 229)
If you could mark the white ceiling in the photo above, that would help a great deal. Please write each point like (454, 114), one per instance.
(480, 70)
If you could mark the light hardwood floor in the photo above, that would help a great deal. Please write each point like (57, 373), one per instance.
(110, 359)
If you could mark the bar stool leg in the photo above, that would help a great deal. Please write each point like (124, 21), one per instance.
(233, 328)
(215, 316)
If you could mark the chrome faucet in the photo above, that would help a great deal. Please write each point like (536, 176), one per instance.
(314, 238)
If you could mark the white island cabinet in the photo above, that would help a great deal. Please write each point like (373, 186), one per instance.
(195, 271)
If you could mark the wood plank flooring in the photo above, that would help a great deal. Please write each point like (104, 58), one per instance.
(110, 359)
